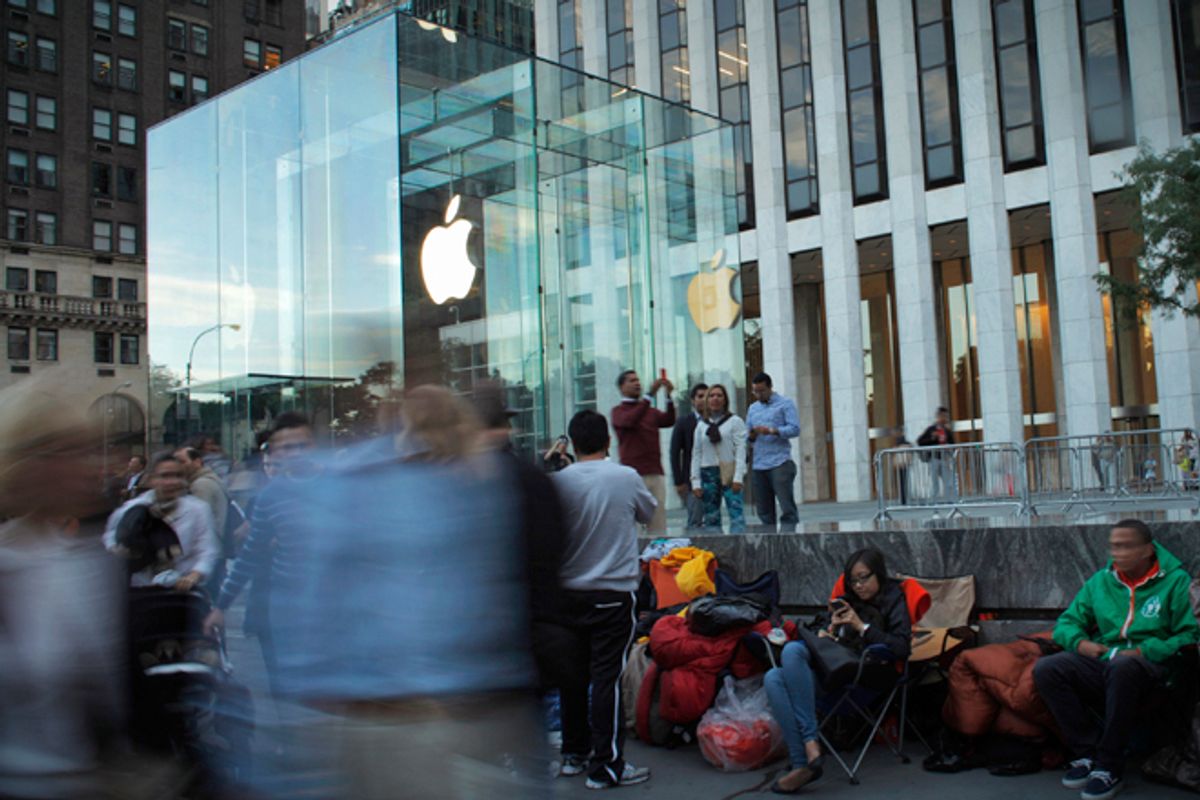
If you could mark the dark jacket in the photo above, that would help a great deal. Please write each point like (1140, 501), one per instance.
(886, 613)
(930, 439)
(681, 448)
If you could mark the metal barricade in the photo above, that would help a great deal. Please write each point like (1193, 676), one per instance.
(950, 478)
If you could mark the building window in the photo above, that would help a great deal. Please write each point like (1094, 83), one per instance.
(18, 107)
(127, 129)
(273, 12)
(1019, 83)
(734, 99)
(939, 93)
(102, 15)
(1105, 74)
(19, 3)
(102, 287)
(45, 281)
(864, 99)
(47, 54)
(199, 88)
(102, 68)
(129, 348)
(46, 7)
(18, 49)
(102, 348)
(101, 179)
(273, 57)
(46, 173)
(570, 55)
(176, 86)
(18, 167)
(176, 34)
(200, 40)
(127, 290)
(127, 184)
(16, 279)
(1186, 16)
(127, 74)
(45, 228)
(126, 20)
(252, 53)
(102, 236)
(619, 21)
(127, 239)
(796, 106)
(102, 124)
(47, 345)
(18, 224)
(672, 39)
(47, 113)
(250, 9)
(18, 344)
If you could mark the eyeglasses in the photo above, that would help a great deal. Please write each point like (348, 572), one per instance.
(861, 580)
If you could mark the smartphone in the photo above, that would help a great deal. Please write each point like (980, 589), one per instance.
(838, 604)
(662, 374)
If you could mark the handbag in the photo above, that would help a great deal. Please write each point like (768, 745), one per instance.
(727, 472)
(834, 663)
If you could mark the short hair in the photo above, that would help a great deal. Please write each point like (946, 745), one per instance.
(286, 421)
(1137, 526)
(872, 559)
(698, 387)
(589, 432)
(192, 453)
(625, 373)
(161, 458)
(942, 410)
(141, 459)
(762, 377)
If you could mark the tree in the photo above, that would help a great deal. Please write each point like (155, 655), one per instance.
(1165, 189)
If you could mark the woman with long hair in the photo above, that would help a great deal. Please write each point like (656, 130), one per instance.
(719, 461)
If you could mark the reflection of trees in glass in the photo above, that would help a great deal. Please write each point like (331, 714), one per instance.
(355, 408)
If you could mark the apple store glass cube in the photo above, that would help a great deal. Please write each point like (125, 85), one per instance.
(408, 205)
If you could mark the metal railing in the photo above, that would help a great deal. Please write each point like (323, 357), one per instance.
(1063, 473)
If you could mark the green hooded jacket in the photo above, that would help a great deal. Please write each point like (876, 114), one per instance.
(1156, 618)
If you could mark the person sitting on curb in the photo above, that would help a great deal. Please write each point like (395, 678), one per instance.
(1123, 627)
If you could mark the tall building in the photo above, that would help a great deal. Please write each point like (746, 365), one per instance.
(926, 189)
(507, 22)
(82, 82)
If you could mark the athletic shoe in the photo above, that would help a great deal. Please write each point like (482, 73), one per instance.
(573, 765)
(1101, 786)
(629, 776)
(1078, 773)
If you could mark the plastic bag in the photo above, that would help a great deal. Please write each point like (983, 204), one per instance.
(738, 733)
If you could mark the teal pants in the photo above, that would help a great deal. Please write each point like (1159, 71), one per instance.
(710, 484)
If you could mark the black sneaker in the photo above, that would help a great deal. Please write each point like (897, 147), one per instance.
(1078, 773)
(573, 765)
(1101, 785)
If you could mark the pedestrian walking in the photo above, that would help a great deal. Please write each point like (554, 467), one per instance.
(941, 463)
(682, 437)
(637, 423)
(719, 461)
(772, 421)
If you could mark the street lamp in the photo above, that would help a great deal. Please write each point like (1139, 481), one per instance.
(191, 353)
(108, 412)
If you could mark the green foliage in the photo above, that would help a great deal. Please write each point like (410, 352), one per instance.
(1165, 188)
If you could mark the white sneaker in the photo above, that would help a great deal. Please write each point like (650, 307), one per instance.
(630, 775)
(573, 765)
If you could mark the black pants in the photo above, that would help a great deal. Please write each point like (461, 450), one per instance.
(587, 643)
(1074, 686)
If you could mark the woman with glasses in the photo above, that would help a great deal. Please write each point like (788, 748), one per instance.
(872, 611)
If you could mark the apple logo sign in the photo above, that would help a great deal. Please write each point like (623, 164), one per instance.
(710, 296)
(446, 266)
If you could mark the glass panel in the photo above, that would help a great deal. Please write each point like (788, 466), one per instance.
(959, 337)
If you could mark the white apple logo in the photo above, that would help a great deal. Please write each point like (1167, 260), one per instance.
(446, 267)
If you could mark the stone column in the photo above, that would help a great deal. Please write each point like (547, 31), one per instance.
(987, 224)
(916, 301)
(1158, 121)
(843, 326)
(1073, 220)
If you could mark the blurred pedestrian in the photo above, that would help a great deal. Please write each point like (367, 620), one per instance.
(593, 627)
(682, 438)
(557, 457)
(719, 461)
(943, 481)
(134, 478)
(637, 423)
(203, 484)
(773, 422)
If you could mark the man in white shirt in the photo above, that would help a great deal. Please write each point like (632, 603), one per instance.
(190, 562)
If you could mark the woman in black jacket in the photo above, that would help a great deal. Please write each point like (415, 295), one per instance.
(872, 611)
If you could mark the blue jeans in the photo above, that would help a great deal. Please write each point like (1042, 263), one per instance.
(776, 484)
(714, 491)
(791, 688)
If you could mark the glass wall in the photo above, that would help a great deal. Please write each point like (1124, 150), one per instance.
(1019, 83)
(939, 92)
(570, 53)
(358, 223)
(619, 19)
(1186, 17)
(733, 85)
(957, 329)
(1037, 312)
(864, 99)
(1105, 74)
(798, 124)
(672, 42)
(881, 352)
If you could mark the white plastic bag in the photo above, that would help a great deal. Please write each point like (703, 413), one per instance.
(738, 733)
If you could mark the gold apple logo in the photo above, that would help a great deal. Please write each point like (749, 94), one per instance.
(709, 296)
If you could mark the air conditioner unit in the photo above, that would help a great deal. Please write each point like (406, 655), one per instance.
(102, 204)
(103, 37)
(18, 130)
(18, 190)
(103, 148)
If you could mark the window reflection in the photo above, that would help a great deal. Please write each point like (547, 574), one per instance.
(957, 328)
(939, 92)
(1186, 18)
(1129, 343)
(672, 39)
(1018, 79)
(733, 86)
(1106, 74)
(796, 101)
(865, 100)
(881, 356)
(1033, 283)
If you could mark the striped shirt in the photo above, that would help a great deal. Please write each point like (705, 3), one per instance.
(271, 547)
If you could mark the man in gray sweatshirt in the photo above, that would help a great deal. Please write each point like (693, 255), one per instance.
(593, 632)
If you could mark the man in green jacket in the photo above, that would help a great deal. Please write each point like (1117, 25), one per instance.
(1118, 635)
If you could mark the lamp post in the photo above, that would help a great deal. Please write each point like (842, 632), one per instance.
(191, 353)
(108, 412)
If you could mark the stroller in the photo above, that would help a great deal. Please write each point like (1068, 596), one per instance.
(186, 703)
